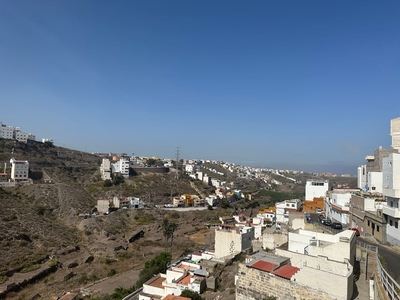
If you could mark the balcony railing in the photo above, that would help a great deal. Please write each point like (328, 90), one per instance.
(391, 211)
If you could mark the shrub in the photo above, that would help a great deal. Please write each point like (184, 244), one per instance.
(30, 268)
(112, 272)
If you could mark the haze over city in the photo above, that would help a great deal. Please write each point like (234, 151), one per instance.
(304, 85)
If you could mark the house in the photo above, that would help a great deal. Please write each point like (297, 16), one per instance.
(337, 206)
(231, 240)
(312, 265)
(283, 208)
(316, 188)
(183, 276)
(19, 170)
(288, 275)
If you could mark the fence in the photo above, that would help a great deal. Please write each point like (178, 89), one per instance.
(391, 287)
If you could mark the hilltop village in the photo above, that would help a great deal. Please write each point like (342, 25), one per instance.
(280, 234)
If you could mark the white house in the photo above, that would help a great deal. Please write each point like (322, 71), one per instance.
(316, 188)
(19, 170)
(179, 278)
(325, 261)
(283, 208)
(337, 206)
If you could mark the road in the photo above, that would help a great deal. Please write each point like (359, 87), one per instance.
(390, 257)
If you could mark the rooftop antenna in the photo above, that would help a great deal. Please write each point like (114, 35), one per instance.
(177, 162)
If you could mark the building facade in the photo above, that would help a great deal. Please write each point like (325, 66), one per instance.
(316, 188)
(19, 170)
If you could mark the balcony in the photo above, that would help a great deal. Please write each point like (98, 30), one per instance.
(391, 211)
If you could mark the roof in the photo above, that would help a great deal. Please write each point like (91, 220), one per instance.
(173, 297)
(264, 266)
(156, 282)
(286, 271)
(185, 280)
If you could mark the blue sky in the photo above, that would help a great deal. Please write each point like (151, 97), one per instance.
(308, 85)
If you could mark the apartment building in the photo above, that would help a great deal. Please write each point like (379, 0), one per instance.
(6, 132)
(316, 188)
(391, 190)
(121, 166)
(19, 170)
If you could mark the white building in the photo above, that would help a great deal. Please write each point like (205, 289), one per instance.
(316, 189)
(177, 279)
(283, 208)
(121, 167)
(325, 261)
(31, 137)
(189, 168)
(105, 169)
(6, 132)
(19, 135)
(395, 133)
(362, 177)
(231, 240)
(337, 206)
(391, 189)
(47, 140)
(375, 182)
(19, 170)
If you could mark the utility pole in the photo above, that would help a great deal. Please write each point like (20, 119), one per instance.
(177, 163)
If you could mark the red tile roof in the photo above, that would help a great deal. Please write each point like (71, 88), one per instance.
(286, 271)
(185, 280)
(264, 266)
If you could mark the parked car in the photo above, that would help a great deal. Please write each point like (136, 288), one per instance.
(336, 225)
(356, 231)
(326, 222)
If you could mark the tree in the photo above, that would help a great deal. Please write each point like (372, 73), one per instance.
(191, 294)
(169, 227)
(154, 266)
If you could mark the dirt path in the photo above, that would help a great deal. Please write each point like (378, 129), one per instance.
(107, 286)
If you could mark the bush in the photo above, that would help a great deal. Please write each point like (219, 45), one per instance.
(107, 183)
(30, 268)
(191, 294)
(112, 272)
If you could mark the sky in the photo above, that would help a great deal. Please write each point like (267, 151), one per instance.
(301, 85)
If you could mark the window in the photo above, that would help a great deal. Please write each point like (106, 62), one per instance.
(377, 228)
(391, 223)
(368, 223)
(396, 224)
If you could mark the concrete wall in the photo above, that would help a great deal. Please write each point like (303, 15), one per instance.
(253, 284)
(271, 241)
(231, 242)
